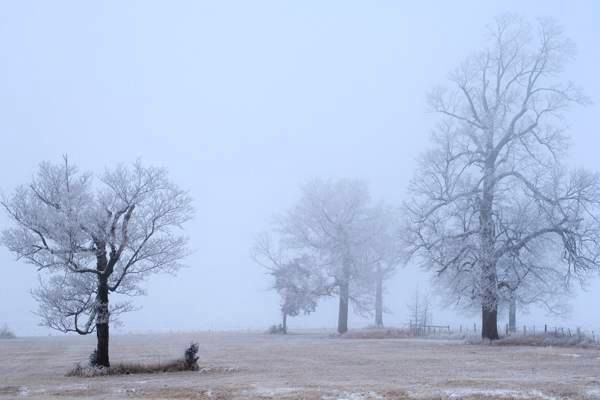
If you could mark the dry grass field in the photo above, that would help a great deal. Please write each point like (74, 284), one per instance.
(302, 366)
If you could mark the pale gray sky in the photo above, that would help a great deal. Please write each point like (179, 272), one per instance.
(243, 102)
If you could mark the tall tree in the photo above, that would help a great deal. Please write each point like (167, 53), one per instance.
(493, 185)
(95, 237)
(332, 222)
(383, 252)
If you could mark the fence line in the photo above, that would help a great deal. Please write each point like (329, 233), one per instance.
(522, 330)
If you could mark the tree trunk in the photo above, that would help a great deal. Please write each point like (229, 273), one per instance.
(489, 303)
(512, 313)
(343, 311)
(489, 323)
(102, 318)
(284, 323)
(379, 299)
(489, 278)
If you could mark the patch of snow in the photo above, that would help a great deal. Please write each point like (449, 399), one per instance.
(207, 370)
(75, 386)
(24, 391)
(262, 391)
(498, 393)
(594, 392)
(354, 396)
(335, 395)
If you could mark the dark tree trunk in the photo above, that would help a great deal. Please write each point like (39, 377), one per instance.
(102, 318)
(379, 299)
(512, 313)
(343, 311)
(489, 278)
(102, 315)
(284, 325)
(489, 307)
(489, 323)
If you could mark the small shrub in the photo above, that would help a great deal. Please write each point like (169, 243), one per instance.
(6, 333)
(190, 357)
(93, 361)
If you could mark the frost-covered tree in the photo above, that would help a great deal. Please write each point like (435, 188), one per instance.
(299, 289)
(94, 237)
(332, 224)
(298, 279)
(535, 279)
(383, 253)
(493, 186)
(532, 278)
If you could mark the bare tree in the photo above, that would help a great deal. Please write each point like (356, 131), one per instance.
(298, 278)
(93, 238)
(532, 279)
(421, 314)
(384, 252)
(494, 186)
(332, 223)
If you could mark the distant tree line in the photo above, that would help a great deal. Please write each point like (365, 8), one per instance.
(492, 210)
(334, 242)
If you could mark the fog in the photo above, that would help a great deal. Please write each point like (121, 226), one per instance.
(242, 103)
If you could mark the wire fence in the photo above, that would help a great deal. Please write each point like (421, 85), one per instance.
(553, 331)
(417, 329)
(560, 332)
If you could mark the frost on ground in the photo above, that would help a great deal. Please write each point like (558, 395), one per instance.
(353, 396)
(310, 366)
(497, 394)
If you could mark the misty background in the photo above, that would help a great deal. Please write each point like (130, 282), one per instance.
(243, 102)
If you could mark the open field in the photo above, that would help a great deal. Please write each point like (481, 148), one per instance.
(303, 366)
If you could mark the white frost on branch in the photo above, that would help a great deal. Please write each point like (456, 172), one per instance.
(492, 195)
(84, 232)
(334, 241)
